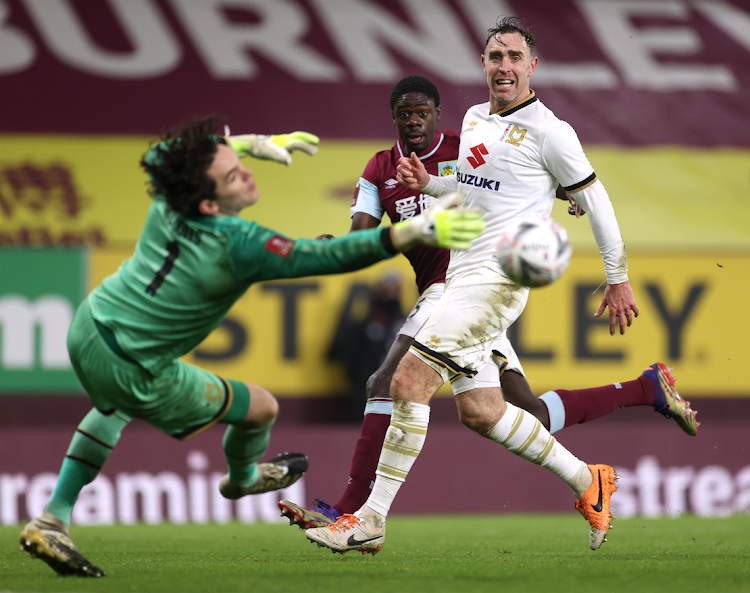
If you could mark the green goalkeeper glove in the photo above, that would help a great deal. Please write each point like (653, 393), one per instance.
(273, 148)
(440, 225)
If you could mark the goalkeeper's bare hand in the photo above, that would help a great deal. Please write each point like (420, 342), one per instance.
(276, 147)
(440, 225)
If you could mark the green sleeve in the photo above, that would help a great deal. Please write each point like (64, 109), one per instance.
(259, 254)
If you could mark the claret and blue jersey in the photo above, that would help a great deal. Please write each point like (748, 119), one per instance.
(378, 192)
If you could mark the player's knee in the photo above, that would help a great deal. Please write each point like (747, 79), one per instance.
(271, 408)
(400, 385)
(473, 422)
(414, 381)
(478, 417)
(264, 407)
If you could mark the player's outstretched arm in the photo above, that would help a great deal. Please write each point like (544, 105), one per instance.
(621, 303)
(440, 225)
(276, 147)
(360, 222)
(260, 254)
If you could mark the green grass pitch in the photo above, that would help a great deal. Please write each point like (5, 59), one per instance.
(529, 553)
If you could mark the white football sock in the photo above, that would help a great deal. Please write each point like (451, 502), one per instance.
(522, 434)
(401, 446)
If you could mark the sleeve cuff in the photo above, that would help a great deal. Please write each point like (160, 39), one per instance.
(387, 240)
(617, 278)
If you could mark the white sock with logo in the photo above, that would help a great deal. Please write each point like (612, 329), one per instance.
(402, 444)
(521, 433)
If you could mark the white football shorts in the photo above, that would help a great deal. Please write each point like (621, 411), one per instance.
(489, 374)
(422, 310)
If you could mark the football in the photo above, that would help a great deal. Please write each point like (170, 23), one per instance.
(534, 251)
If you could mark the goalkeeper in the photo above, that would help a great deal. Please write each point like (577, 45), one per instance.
(195, 258)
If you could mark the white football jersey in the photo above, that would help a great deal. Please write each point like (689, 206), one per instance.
(509, 165)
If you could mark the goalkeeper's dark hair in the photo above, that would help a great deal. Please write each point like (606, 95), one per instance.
(414, 84)
(177, 165)
(511, 24)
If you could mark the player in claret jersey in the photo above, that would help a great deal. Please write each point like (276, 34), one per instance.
(415, 109)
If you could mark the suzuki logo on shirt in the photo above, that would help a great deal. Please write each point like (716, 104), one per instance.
(477, 151)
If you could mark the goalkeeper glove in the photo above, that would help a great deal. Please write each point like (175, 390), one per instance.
(273, 148)
(440, 225)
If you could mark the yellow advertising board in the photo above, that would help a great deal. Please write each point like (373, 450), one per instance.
(688, 319)
(279, 333)
(683, 212)
(90, 189)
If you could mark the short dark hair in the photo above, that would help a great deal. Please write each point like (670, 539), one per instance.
(414, 84)
(511, 24)
(177, 165)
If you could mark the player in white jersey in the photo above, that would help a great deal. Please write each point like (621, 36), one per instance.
(513, 152)
(510, 166)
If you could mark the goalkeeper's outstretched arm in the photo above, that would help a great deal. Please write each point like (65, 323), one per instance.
(277, 147)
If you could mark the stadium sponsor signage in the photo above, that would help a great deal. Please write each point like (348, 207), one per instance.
(651, 490)
(142, 496)
(53, 191)
(662, 473)
(33, 191)
(78, 204)
(279, 333)
(39, 291)
(631, 59)
(128, 497)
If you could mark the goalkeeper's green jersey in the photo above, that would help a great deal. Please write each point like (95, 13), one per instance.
(186, 273)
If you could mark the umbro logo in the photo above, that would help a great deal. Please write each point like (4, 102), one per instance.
(390, 184)
(477, 151)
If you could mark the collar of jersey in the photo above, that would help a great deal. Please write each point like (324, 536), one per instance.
(214, 223)
(429, 151)
(527, 101)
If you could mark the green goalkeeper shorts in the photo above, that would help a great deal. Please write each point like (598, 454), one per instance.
(181, 401)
